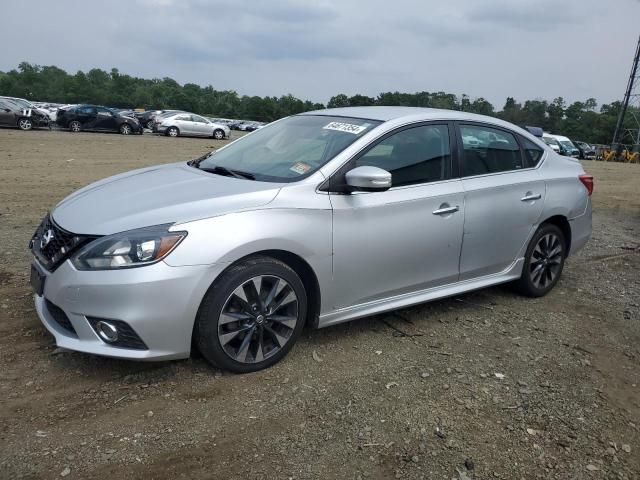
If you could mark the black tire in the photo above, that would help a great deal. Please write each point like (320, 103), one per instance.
(543, 264)
(208, 327)
(75, 126)
(218, 134)
(25, 123)
(126, 129)
(173, 132)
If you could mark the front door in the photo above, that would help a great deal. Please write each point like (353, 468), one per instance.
(404, 239)
(503, 199)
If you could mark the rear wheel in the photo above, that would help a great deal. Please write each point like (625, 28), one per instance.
(125, 129)
(149, 125)
(218, 134)
(251, 316)
(25, 124)
(173, 131)
(74, 126)
(544, 261)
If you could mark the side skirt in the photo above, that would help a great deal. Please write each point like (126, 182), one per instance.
(512, 272)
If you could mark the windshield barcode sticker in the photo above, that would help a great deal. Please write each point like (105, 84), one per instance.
(345, 127)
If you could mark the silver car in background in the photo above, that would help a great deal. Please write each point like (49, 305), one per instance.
(315, 219)
(190, 124)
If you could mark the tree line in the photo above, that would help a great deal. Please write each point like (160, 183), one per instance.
(580, 120)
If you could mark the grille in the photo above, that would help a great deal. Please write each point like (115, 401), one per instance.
(60, 317)
(127, 337)
(52, 245)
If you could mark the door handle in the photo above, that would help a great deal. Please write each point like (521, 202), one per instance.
(445, 209)
(530, 196)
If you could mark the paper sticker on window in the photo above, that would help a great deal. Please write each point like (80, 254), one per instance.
(300, 168)
(345, 127)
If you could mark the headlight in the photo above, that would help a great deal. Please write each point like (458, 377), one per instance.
(134, 248)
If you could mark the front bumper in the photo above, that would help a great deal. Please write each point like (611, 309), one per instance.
(158, 302)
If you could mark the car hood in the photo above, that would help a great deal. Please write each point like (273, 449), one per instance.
(157, 195)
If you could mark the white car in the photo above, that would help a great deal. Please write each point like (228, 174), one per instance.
(190, 124)
(551, 141)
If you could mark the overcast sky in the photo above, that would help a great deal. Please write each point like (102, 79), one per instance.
(317, 48)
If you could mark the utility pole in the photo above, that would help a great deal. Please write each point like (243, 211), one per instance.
(631, 99)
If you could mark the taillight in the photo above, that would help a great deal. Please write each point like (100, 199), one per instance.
(587, 181)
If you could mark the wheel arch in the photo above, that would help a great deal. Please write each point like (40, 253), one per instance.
(563, 224)
(304, 271)
(298, 265)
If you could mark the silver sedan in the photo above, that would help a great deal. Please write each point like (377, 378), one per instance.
(190, 124)
(315, 219)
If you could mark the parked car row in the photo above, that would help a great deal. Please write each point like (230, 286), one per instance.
(564, 146)
(23, 114)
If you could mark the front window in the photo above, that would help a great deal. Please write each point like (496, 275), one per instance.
(567, 144)
(412, 156)
(290, 149)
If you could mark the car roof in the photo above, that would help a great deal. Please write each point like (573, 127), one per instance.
(386, 114)
(560, 137)
(416, 114)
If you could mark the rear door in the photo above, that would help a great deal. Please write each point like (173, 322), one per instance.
(184, 124)
(7, 116)
(504, 196)
(87, 116)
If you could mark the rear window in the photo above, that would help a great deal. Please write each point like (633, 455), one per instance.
(532, 152)
(488, 150)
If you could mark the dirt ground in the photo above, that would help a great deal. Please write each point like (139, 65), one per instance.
(482, 386)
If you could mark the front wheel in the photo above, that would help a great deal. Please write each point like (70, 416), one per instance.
(218, 134)
(25, 124)
(544, 261)
(173, 132)
(125, 129)
(251, 316)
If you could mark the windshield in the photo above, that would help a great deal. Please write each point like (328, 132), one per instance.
(550, 141)
(567, 144)
(290, 149)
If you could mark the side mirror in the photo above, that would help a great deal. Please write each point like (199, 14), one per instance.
(368, 179)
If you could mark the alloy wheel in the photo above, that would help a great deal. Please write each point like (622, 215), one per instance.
(74, 126)
(173, 132)
(125, 129)
(258, 319)
(25, 124)
(546, 260)
(218, 135)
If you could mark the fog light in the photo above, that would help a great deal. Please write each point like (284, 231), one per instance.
(107, 331)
